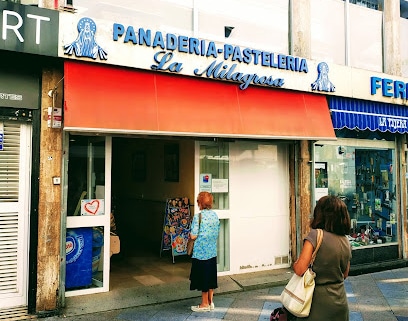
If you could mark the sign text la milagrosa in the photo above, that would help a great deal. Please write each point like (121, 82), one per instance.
(219, 70)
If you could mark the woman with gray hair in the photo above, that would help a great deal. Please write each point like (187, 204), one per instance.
(204, 229)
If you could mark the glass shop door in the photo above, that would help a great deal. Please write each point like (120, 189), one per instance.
(88, 215)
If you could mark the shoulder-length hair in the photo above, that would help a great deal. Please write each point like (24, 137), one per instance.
(205, 200)
(331, 214)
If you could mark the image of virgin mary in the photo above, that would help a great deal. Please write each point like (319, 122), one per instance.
(85, 44)
(322, 82)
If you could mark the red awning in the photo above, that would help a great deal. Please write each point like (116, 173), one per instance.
(113, 99)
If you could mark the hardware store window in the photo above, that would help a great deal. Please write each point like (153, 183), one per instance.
(363, 176)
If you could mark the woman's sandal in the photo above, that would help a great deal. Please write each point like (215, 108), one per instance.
(196, 308)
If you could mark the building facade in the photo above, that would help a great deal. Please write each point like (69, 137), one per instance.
(29, 51)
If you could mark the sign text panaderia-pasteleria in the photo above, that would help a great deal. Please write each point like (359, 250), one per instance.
(225, 54)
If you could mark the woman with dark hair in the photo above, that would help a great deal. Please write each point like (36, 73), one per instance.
(204, 229)
(332, 262)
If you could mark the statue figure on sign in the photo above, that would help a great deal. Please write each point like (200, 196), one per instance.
(322, 82)
(85, 44)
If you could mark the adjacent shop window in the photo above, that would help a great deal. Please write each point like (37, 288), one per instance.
(223, 246)
(365, 179)
(214, 178)
(214, 172)
(86, 176)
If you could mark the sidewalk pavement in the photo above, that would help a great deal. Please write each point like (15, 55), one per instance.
(379, 296)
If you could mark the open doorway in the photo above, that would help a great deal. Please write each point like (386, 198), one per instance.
(145, 173)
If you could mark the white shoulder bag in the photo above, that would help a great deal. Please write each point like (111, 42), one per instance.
(297, 295)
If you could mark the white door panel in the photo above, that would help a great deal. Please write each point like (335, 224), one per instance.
(15, 164)
(260, 205)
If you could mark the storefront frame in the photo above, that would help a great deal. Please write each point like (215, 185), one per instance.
(379, 252)
(88, 221)
(228, 215)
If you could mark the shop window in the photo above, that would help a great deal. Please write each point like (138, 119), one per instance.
(86, 174)
(364, 179)
(214, 178)
(85, 200)
(214, 172)
(223, 248)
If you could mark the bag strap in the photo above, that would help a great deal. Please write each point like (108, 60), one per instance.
(199, 223)
(319, 242)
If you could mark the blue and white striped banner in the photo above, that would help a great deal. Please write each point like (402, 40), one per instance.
(360, 114)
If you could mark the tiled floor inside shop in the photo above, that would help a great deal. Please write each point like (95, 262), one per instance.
(135, 271)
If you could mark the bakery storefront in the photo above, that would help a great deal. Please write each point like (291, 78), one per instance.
(365, 167)
(151, 119)
(137, 138)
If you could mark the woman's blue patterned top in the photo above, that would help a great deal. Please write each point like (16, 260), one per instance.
(205, 246)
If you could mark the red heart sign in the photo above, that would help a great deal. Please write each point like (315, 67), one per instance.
(92, 207)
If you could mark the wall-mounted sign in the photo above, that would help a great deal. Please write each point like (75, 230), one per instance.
(219, 185)
(128, 44)
(19, 89)
(205, 183)
(29, 29)
(167, 52)
(389, 87)
(54, 117)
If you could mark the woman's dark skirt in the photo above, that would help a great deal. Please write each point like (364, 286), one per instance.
(203, 275)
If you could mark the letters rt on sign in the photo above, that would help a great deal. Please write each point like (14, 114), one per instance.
(29, 29)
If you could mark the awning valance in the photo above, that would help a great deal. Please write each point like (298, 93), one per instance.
(360, 114)
(113, 99)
